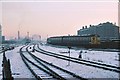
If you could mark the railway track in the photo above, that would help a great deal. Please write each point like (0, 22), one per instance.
(80, 61)
(43, 70)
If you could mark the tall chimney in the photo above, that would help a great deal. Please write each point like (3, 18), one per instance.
(83, 27)
(28, 35)
(18, 35)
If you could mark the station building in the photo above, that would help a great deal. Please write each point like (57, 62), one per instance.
(106, 31)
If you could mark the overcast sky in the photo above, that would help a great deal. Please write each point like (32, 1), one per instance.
(54, 18)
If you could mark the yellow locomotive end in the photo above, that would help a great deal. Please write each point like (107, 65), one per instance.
(95, 40)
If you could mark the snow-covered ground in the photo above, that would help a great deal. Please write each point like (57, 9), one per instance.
(82, 70)
(107, 57)
(79, 69)
(20, 70)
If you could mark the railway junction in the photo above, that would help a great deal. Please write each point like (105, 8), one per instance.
(45, 62)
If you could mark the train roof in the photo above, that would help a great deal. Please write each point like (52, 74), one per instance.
(74, 36)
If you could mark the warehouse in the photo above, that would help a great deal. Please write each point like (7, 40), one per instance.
(106, 31)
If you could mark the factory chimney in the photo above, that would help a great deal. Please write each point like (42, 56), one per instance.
(83, 27)
(18, 35)
(28, 35)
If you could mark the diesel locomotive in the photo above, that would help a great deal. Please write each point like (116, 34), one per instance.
(83, 41)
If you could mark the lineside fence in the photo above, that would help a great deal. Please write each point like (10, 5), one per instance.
(6, 70)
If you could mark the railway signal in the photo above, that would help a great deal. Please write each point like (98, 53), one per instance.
(80, 54)
(69, 47)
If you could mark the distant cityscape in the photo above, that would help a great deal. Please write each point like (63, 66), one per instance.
(106, 31)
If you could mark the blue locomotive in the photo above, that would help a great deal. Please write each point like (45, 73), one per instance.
(84, 41)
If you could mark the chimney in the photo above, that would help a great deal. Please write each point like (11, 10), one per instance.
(28, 35)
(18, 35)
(83, 27)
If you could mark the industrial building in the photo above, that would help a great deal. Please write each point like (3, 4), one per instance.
(106, 31)
(3, 39)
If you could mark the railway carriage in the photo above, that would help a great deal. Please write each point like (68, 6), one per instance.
(74, 40)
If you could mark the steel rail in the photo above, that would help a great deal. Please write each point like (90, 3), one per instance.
(82, 59)
(88, 63)
(22, 56)
(40, 60)
(50, 72)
